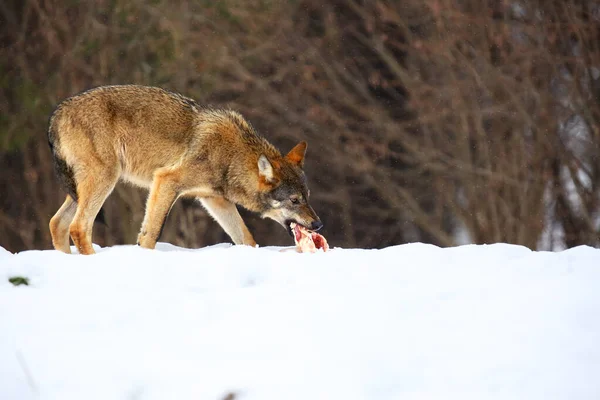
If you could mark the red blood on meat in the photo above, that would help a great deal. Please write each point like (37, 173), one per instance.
(319, 241)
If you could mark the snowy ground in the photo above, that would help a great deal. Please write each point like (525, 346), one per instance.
(407, 322)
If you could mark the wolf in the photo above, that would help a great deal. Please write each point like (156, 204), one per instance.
(169, 144)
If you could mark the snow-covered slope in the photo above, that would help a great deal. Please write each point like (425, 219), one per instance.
(407, 322)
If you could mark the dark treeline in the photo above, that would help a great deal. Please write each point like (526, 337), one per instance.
(442, 121)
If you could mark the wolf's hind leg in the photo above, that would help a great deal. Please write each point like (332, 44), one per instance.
(227, 215)
(59, 225)
(163, 193)
(92, 191)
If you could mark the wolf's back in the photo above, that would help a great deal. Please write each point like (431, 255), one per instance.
(135, 124)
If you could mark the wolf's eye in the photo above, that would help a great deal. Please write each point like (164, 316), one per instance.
(294, 200)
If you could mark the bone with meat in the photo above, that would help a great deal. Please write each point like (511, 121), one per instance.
(308, 241)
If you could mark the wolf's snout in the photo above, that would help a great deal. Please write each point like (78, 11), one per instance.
(316, 225)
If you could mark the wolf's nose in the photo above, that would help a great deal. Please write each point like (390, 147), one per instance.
(316, 225)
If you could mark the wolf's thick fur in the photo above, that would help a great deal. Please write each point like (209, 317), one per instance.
(168, 143)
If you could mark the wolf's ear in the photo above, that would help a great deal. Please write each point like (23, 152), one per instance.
(296, 155)
(265, 169)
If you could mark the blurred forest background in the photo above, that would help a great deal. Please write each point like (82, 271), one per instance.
(441, 121)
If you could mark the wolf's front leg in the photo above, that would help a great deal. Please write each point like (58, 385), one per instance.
(160, 200)
(227, 215)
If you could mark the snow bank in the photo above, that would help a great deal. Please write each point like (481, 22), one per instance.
(407, 322)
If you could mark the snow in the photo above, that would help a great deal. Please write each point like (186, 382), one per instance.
(407, 322)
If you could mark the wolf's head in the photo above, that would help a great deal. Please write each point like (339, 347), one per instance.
(284, 190)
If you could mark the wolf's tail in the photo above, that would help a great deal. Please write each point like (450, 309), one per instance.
(64, 172)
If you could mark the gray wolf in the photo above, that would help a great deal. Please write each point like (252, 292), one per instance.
(169, 144)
